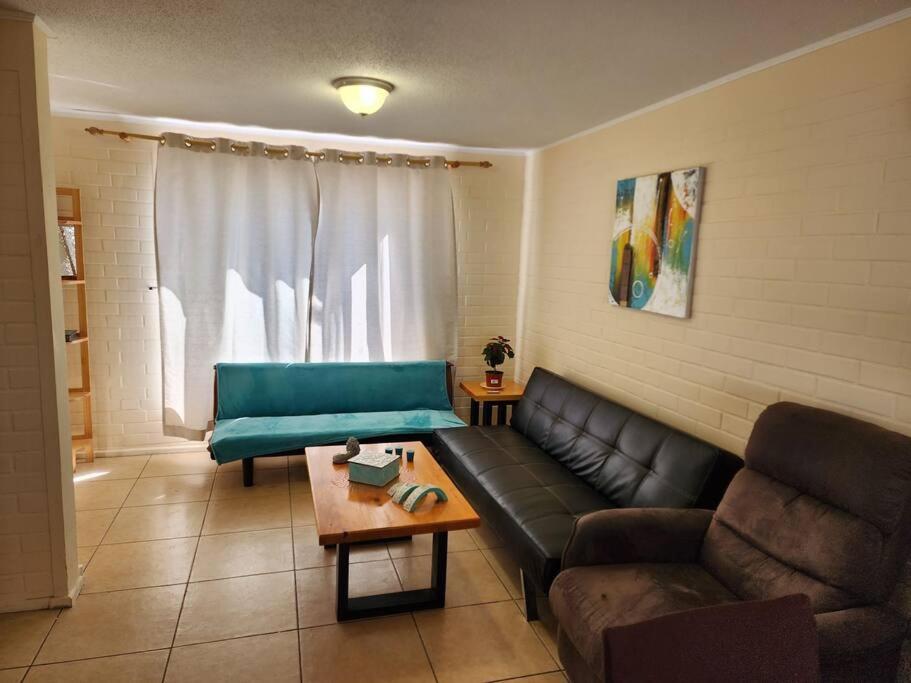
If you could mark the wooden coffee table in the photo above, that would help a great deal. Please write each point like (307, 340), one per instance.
(348, 512)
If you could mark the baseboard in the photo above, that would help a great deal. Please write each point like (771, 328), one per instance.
(188, 447)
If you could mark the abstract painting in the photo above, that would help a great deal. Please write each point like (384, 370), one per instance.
(654, 241)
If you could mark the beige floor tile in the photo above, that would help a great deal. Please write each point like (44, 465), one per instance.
(244, 606)
(102, 495)
(545, 626)
(506, 569)
(482, 643)
(183, 488)
(555, 677)
(140, 565)
(469, 579)
(144, 667)
(126, 467)
(268, 482)
(423, 544)
(300, 480)
(114, 623)
(156, 522)
(84, 554)
(309, 553)
(297, 461)
(23, 633)
(91, 526)
(316, 589)
(263, 463)
(259, 512)
(383, 650)
(169, 464)
(485, 537)
(239, 554)
(12, 675)
(302, 509)
(272, 658)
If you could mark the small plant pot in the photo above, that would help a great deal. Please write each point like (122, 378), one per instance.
(494, 378)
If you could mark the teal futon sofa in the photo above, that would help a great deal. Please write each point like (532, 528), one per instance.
(276, 408)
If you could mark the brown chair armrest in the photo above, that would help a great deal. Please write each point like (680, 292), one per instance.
(765, 640)
(637, 535)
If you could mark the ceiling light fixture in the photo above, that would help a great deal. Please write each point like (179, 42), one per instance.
(362, 95)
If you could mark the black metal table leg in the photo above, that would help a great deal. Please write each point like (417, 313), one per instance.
(474, 413)
(486, 418)
(501, 413)
(391, 603)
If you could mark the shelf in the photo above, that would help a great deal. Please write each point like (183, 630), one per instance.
(67, 281)
(80, 393)
(64, 221)
(79, 340)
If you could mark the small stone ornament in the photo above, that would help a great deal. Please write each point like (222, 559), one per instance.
(409, 495)
(352, 448)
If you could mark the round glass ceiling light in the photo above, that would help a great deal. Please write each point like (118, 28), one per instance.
(362, 95)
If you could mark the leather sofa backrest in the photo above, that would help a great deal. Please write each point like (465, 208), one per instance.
(631, 459)
(823, 507)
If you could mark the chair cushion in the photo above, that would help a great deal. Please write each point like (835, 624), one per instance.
(528, 498)
(244, 437)
(586, 600)
(631, 459)
(823, 507)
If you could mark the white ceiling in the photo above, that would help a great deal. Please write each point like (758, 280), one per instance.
(506, 73)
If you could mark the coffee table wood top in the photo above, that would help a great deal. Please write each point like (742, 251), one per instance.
(511, 391)
(347, 512)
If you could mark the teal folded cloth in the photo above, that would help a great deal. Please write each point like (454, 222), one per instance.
(244, 437)
(266, 408)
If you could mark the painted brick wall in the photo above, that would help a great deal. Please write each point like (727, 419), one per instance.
(803, 276)
(24, 540)
(117, 181)
(34, 561)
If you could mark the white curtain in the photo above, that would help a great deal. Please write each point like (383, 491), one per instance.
(241, 232)
(234, 233)
(384, 275)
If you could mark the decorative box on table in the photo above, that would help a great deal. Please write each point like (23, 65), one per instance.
(376, 469)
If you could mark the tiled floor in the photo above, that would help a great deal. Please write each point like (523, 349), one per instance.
(191, 577)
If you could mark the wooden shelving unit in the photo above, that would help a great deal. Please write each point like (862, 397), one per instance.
(69, 213)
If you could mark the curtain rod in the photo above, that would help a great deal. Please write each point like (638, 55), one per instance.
(280, 151)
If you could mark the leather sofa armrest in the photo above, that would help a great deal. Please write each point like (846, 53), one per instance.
(637, 535)
(770, 640)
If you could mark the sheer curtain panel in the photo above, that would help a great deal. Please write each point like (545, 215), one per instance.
(384, 272)
(234, 229)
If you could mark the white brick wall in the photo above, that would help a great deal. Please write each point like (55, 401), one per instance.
(803, 276)
(26, 576)
(117, 182)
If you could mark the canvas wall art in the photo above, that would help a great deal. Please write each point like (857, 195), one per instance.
(654, 241)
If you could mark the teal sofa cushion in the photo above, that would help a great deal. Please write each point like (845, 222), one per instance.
(274, 389)
(266, 408)
(243, 437)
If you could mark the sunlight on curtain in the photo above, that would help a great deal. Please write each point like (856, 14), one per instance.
(235, 244)
(384, 278)
(238, 244)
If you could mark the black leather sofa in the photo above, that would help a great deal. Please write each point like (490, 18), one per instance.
(567, 452)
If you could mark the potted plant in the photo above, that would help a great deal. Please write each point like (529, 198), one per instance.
(495, 353)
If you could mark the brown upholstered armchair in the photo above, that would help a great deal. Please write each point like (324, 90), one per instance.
(822, 508)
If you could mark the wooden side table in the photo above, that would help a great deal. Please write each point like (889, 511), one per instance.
(508, 396)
